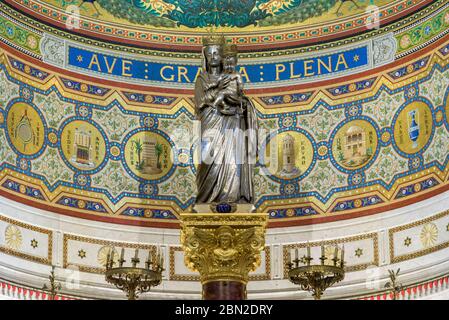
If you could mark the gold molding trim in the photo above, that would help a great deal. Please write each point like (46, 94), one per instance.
(87, 240)
(420, 253)
(26, 256)
(374, 236)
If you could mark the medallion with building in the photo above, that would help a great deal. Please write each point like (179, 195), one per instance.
(289, 154)
(83, 145)
(148, 155)
(355, 144)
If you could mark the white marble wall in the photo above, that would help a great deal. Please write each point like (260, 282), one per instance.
(371, 243)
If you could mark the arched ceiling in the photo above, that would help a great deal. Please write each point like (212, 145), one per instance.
(377, 79)
(55, 211)
(195, 15)
(248, 22)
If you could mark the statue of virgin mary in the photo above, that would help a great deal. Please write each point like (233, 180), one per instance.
(228, 128)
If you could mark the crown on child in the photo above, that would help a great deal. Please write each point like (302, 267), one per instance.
(230, 50)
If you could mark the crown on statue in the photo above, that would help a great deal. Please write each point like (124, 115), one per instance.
(230, 50)
(213, 39)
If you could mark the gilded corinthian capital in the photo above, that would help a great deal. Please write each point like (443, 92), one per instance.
(223, 247)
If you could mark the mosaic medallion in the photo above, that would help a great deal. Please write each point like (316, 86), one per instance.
(439, 116)
(289, 154)
(447, 110)
(183, 158)
(115, 151)
(83, 145)
(413, 127)
(385, 137)
(355, 144)
(148, 155)
(344, 138)
(25, 129)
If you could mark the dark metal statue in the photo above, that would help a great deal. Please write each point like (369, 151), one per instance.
(228, 128)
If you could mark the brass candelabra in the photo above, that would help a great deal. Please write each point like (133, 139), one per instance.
(134, 280)
(316, 278)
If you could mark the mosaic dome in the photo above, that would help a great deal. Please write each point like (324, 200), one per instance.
(179, 24)
(96, 107)
(119, 75)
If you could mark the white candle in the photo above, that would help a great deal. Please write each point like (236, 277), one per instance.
(162, 259)
(335, 255)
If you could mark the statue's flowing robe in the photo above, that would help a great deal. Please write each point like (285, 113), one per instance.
(228, 148)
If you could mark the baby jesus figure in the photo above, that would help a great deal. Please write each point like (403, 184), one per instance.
(229, 99)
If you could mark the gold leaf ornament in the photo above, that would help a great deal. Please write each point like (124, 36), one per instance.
(103, 253)
(13, 237)
(429, 235)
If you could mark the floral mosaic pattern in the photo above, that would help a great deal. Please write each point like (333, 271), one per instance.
(323, 178)
(8, 90)
(7, 155)
(321, 122)
(439, 148)
(387, 165)
(263, 186)
(269, 124)
(54, 110)
(382, 109)
(434, 88)
(421, 33)
(180, 130)
(116, 179)
(115, 122)
(182, 185)
(19, 35)
(52, 167)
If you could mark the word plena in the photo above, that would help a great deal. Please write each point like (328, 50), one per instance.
(298, 68)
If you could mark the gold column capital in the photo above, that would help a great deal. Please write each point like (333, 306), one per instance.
(223, 247)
